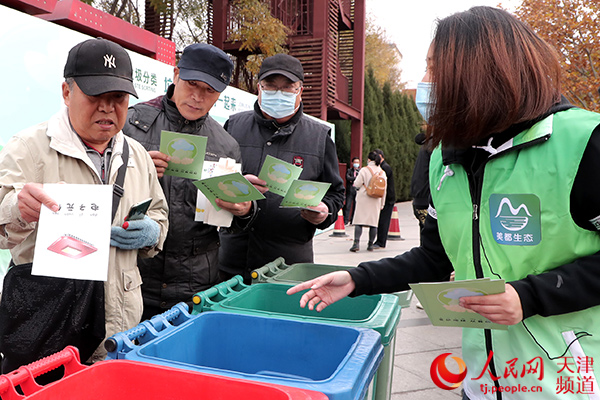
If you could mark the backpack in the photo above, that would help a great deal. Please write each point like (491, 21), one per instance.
(376, 186)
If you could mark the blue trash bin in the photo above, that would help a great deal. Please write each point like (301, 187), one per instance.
(335, 360)
(378, 312)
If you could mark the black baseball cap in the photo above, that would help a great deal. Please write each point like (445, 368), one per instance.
(100, 66)
(282, 64)
(206, 63)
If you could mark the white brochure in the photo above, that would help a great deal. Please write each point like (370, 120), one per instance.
(74, 242)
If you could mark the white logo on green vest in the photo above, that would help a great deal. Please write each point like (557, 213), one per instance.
(515, 219)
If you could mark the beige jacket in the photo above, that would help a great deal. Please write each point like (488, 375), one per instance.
(51, 152)
(367, 208)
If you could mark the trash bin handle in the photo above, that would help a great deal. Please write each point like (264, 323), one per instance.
(268, 270)
(168, 318)
(276, 263)
(159, 322)
(201, 298)
(231, 286)
(24, 376)
(124, 342)
(218, 293)
(145, 331)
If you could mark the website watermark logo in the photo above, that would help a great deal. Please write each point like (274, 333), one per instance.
(442, 377)
(574, 375)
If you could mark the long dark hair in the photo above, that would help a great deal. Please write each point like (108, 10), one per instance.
(489, 71)
(374, 156)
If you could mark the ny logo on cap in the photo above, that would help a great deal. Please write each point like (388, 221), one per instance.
(109, 61)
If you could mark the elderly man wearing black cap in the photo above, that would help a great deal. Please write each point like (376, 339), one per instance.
(81, 144)
(189, 262)
(278, 127)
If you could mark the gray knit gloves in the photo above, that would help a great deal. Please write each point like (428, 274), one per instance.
(140, 233)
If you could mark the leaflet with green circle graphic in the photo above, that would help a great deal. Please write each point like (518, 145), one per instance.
(440, 301)
(233, 188)
(279, 174)
(186, 152)
(304, 194)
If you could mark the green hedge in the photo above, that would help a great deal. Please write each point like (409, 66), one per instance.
(391, 121)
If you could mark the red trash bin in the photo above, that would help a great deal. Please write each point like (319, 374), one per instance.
(132, 380)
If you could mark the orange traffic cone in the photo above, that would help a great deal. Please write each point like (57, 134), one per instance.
(394, 232)
(339, 229)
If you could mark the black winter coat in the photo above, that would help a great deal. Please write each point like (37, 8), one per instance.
(277, 231)
(189, 262)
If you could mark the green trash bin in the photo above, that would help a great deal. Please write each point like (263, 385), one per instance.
(378, 312)
(278, 271)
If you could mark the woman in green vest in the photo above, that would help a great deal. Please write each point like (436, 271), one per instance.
(515, 195)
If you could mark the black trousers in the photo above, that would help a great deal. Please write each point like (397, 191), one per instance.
(383, 227)
(349, 206)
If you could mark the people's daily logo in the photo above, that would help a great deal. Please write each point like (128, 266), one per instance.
(515, 219)
(442, 377)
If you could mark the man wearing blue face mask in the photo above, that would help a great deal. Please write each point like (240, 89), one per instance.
(278, 127)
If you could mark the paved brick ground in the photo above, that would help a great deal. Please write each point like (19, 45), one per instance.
(417, 341)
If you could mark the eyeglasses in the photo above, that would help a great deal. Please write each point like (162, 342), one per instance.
(289, 91)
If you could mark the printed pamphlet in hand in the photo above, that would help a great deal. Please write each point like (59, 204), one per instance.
(233, 188)
(205, 212)
(279, 174)
(440, 301)
(74, 242)
(186, 152)
(304, 194)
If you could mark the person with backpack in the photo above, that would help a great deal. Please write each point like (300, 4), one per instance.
(385, 216)
(371, 185)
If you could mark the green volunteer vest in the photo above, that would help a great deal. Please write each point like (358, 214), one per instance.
(525, 227)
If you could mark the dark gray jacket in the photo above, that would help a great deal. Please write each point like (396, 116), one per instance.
(277, 231)
(390, 192)
(189, 261)
(419, 183)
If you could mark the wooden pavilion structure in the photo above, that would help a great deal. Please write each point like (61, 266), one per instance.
(328, 37)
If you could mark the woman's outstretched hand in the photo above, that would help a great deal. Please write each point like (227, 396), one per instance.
(324, 290)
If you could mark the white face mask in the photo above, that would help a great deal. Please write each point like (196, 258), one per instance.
(278, 104)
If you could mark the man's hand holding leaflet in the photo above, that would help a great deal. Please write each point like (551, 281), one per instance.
(140, 233)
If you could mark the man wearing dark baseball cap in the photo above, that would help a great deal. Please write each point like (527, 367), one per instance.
(206, 63)
(81, 144)
(100, 66)
(189, 263)
(277, 126)
(282, 64)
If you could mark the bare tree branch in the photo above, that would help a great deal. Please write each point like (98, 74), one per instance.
(113, 7)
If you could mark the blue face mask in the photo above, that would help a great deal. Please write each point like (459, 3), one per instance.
(423, 99)
(278, 104)
(356, 166)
